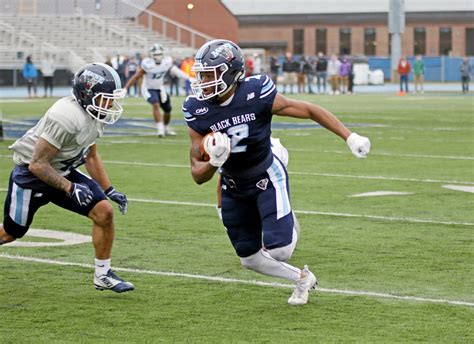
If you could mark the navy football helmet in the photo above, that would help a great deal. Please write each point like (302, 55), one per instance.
(98, 89)
(157, 52)
(224, 59)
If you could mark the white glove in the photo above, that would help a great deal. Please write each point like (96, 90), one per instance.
(359, 145)
(217, 146)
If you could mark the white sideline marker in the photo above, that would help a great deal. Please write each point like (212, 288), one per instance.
(463, 188)
(248, 282)
(381, 193)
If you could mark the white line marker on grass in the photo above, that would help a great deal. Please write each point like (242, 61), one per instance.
(311, 212)
(381, 193)
(247, 282)
(459, 188)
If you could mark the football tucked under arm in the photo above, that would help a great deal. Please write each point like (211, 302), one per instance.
(215, 148)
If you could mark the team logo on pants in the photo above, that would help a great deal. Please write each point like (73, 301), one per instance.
(262, 184)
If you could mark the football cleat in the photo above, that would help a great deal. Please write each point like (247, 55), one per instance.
(170, 132)
(303, 286)
(111, 281)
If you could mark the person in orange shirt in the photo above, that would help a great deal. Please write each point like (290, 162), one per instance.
(404, 69)
(186, 67)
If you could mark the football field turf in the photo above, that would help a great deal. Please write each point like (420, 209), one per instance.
(390, 237)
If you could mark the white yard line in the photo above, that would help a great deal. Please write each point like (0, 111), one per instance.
(240, 281)
(311, 212)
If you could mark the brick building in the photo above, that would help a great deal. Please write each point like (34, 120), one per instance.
(433, 28)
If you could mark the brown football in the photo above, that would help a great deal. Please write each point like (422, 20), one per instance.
(204, 155)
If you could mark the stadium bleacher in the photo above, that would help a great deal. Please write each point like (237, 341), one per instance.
(76, 32)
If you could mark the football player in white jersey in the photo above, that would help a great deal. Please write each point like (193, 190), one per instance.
(154, 69)
(46, 160)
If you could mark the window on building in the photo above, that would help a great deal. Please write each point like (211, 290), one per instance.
(445, 40)
(389, 44)
(419, 41)
(370, 43)
(298, 41)
(469, 41)
(321, 41)
(345, 41)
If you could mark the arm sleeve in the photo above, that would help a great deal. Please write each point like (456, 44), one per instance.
(56, 134)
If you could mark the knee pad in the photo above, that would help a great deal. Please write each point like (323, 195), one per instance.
(14, 229)
(284, 253)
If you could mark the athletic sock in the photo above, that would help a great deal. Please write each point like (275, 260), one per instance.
(102, 266)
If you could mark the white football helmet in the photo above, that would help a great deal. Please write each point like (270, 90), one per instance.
(157, 52)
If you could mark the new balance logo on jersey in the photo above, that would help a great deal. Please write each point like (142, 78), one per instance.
(262, 184)
(202, 111)
(250, 96)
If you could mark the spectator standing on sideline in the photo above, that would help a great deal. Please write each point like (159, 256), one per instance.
(248, 66)
(274, 69)
(290, 68)
(48, 67)
(186, 65)
(404, 69)
(419, 73)
(466, 70)
(344, 73)
(308, 70)
(300, 76)
(350, 88)
(334, 66)
(174, 80)
(131, 69)
(30, 73)
(257, 65)
(321, 71)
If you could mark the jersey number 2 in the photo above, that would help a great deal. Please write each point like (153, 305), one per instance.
(236, 134)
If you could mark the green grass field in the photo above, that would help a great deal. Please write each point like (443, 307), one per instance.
(396, 268)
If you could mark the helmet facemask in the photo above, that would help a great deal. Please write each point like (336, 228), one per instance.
(215, 87)
(106, 107)
(156, 53)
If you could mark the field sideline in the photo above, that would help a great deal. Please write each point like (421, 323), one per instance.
(390, 237)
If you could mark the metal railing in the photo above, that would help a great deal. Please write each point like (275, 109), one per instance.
(169, 27)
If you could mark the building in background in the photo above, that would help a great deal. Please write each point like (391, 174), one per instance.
(433, 28)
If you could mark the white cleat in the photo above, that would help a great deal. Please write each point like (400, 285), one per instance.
(303, 286)
(170, 132)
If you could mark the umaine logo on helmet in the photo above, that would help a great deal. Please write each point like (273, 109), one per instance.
(224, 50)
(91, 79)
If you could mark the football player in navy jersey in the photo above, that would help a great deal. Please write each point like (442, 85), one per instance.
(256, 209)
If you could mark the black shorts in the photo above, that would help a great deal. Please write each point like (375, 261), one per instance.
(26, 194)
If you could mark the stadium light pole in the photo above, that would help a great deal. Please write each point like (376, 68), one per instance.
(396, 26)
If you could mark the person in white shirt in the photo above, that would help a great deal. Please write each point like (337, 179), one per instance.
(154, 69)
(48, 67)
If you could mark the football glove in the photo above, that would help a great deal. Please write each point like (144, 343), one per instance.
(81, 194)
(359, 145)
(217, 146)
(118, 198)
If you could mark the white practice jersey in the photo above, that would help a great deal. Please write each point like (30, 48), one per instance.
(155, 74)
(68, 128)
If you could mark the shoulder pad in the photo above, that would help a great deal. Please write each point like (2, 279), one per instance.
(147, 64)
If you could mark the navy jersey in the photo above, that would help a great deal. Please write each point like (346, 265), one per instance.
(246, 120)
